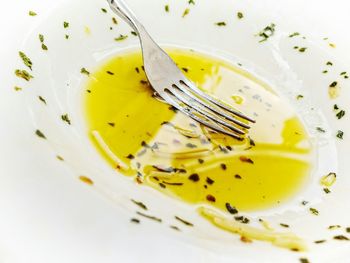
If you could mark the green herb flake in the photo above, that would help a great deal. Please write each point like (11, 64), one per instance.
(326, 190)
(240, 15)
(66, 119)
(16, 88)
(139, 204)
(343, 73)
(220, 23)
(251, 142)
(186, 12)
(294, 34)
(347, 229)
(340, 114)
(191, 2)
(334, 227)
(302, 49)
(314, 211)
(133, 33)
(65, 24)
(284, 225)
(26, 60)
(242, 219)
(121, 37)
(231, 209)
(340, 134)
(150, 217)
(32, 13)
(103, 10)
(60, 158)
(299, 97)
(329, 179)
(333, 84)
(319, 241)
(341, 237)
(304, 260)
(42, 100)
(319, 129)
(41, 38)
(23, 74)
(44, 47)
(183, 221)
(40, 134)
(329, 63)
(325, 71)
(135, 220)
(175, 228)
(191, 145)
(85, 71)
(267, 32)
(167, 8)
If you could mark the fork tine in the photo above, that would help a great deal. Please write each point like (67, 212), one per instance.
(210, 106)
(198, 113)
(200, 93)
(197, 107)
(211, 125)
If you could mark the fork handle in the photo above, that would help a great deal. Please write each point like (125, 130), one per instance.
(126, 14)
(147, 42)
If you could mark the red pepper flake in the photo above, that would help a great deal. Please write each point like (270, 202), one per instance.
(246, 239)
(139, 180)
(194, 177)
(130, 156)
(223, 166)
(86, 180)
(246, 160)
(210, 181)
(211, 198)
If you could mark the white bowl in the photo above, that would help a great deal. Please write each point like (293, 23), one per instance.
(48, 215)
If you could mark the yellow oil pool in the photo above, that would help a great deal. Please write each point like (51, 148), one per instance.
(146, 139)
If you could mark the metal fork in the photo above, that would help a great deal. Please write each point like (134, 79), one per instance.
(174, 88)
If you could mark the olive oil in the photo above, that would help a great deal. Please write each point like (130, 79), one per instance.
(147, 139)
